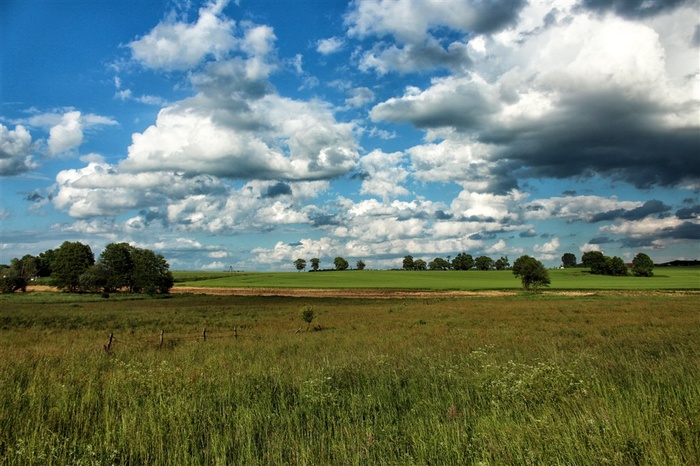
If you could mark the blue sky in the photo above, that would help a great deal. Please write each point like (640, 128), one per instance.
(249, 134)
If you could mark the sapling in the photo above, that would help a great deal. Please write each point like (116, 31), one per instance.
(307, 315)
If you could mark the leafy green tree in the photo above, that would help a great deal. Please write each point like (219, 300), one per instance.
(72, 259)
(340, 263)
(300, 264)
(531, 272)
(43, 263)
(419, 264)
(642, 266)
(18, 275)
(439, 264)
(408, 262)
(568, 260)
(463, 261)
(95, 278)
(595, 260)
(618, 267)
(151, 273)
(484, 263)
(360, 265)
(315, 262)
(502, 263)
(117, 261)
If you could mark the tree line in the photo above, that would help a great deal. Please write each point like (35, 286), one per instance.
(600, 264)
(461, 261)
(339, 263)
(72, 267)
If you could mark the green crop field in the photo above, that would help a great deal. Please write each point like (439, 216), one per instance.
(513, 380)
(670, 278)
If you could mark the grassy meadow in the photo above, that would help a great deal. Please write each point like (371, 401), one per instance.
(527, 379)
(668, 278)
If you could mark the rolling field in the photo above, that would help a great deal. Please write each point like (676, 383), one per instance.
(671, 278)
(524, 379)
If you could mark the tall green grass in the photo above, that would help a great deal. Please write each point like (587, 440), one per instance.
(668, 278)
(515, 380)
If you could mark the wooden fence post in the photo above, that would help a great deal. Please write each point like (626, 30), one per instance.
(235, 332)
(162, 332)
(204, 334)
(108, 346)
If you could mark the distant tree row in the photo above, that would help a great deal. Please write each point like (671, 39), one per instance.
(600, 264)
(462, 261)
(339, 263)
(72, 267)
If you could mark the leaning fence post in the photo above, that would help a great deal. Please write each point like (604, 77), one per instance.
(204, 334)
(162, 332)
(108, 346)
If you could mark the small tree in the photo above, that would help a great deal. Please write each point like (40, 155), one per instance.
(307, 315)
(642, 266)
(360, 265)
(531, 272)
(419, 264)
(340, 263)
(408, 262)
(300, 264)
(315, 262)
(568, 260)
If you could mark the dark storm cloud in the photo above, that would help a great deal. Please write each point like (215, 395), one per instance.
(686, 230)
(653, 207)
(603, 134)
(633, 8)
(496, 15)
(279, 189)
(687, 213)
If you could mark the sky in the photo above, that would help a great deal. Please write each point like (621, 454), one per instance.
(246, 134)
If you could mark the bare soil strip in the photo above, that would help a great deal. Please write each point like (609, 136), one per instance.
(335, 293)
(383, 293)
